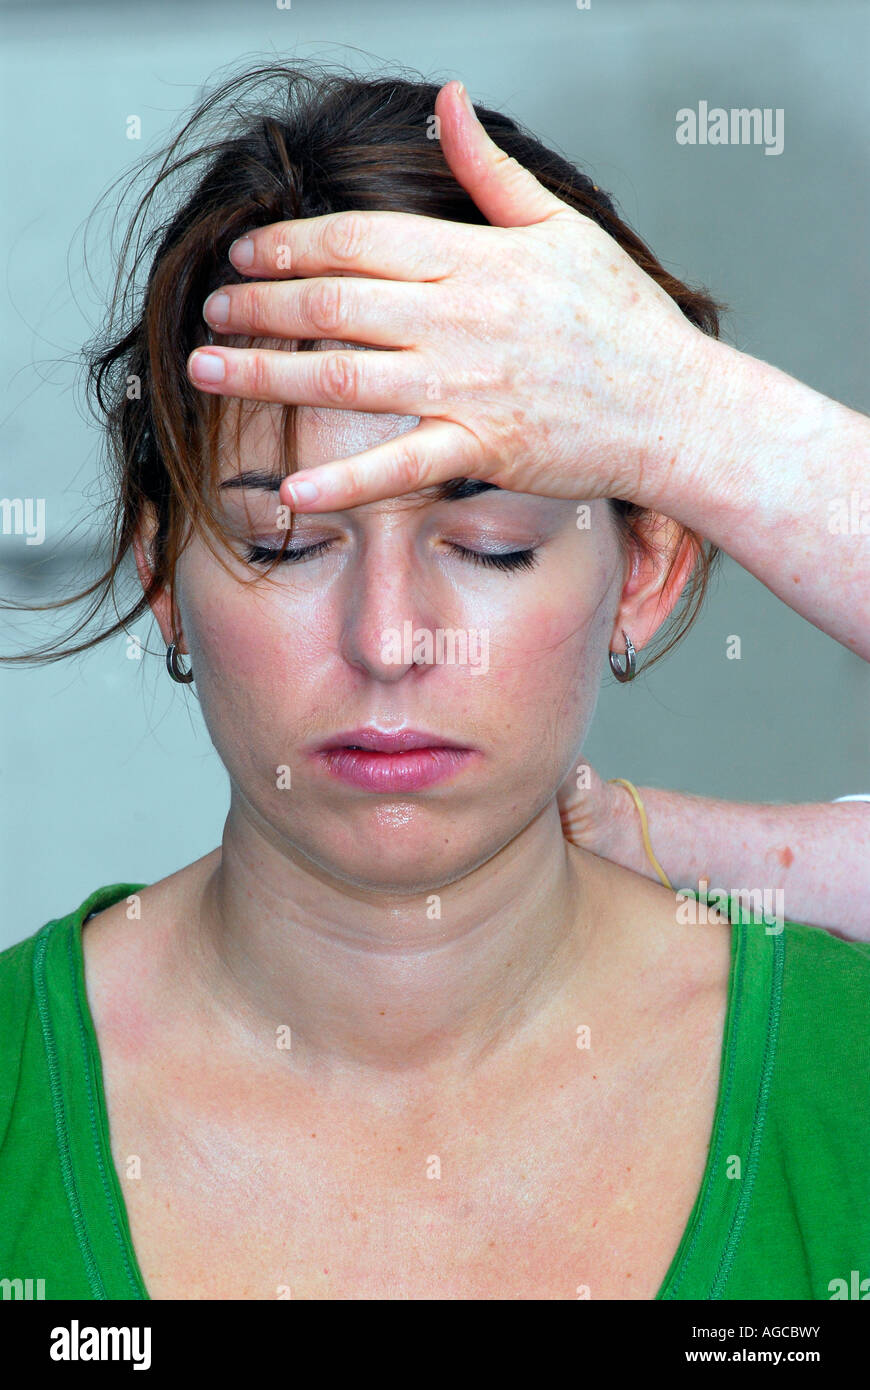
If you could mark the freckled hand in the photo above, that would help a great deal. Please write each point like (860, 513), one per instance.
(508, 342)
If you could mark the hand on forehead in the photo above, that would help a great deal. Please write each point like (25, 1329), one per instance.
(325, 434)
(322, 433)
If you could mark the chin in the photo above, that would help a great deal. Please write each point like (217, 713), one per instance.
(399, 847)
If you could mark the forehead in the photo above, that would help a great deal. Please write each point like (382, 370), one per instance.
(322, 434)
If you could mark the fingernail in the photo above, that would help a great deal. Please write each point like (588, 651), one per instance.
(466, 99)
(217, 308)
(207, 366)
(241, 252)
(303, 492)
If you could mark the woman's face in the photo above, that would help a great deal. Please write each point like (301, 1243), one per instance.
(343, 642)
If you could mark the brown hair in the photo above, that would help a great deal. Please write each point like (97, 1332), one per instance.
(280, 142)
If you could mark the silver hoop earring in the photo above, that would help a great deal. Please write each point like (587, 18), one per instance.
(629, 670)
(172, 666)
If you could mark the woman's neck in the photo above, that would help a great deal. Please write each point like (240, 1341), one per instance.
(346, 979)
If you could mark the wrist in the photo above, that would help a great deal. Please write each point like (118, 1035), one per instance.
(734, 450)
(694, 454)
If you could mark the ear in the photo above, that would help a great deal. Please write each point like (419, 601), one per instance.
(649, 594)
(161, 602)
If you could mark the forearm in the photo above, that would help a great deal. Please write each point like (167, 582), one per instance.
(778, 476)
(818, 854)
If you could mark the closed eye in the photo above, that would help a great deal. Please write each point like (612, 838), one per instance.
(501, 560)
(265, 554)
(506, 560)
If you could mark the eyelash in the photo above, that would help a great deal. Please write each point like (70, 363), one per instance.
(509, 560)
(262, 554)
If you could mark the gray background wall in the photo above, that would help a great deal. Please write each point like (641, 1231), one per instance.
(106, 771)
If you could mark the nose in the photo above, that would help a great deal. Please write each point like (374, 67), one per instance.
(389, 601)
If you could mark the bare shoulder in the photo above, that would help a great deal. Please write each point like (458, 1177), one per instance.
(671, 941)
(127, 956)
(157, 906)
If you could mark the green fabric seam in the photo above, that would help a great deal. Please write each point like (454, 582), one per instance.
(60, 1119)
(758, 1122)
(92, 1114)
(729, 1043)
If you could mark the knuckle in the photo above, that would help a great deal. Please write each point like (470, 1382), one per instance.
(351, 485)
(338, 378)
(343, 236)
(506, 161)
(254, 311)
(258, 376)
(405, 469)
(517, 175)
(322, 306)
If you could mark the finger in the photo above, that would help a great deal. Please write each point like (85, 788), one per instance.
(341, 307)
(579, 807)
(389, 383)
(392, 245)
(506, 192)
(431, 453)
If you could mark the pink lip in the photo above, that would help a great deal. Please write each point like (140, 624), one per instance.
(405, 760)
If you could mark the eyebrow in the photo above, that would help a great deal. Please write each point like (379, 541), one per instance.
(455, 489)
(256, 478)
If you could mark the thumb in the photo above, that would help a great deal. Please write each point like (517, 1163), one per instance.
(507, 194)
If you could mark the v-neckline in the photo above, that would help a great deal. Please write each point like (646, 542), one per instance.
(703, 1257)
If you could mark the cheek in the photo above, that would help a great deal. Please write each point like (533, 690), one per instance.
(543, 645)
(259, 656)
(546, 667)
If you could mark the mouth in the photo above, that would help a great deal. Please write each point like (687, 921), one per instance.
(402, 760)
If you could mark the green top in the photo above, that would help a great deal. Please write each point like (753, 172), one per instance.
(784, 1205)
